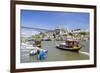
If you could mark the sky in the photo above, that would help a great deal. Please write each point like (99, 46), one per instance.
(52, 19)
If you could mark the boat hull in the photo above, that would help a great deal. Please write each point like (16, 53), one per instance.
(69, 49)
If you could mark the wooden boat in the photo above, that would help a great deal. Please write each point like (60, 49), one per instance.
(69, 49)
(70, 46)
(37, 43)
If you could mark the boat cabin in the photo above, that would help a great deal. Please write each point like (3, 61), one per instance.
(71, 43)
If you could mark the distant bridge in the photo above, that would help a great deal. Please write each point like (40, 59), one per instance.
(37, 29)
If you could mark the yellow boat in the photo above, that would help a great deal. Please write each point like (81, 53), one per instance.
(38, 43)
(70, 46)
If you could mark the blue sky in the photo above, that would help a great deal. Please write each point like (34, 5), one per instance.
(52, 19)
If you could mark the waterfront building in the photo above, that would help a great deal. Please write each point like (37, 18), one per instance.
(57, 33)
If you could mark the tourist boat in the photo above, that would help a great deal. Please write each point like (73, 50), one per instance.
(37, 43)
(70, 45)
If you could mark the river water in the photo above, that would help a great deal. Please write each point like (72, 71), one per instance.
(55, 54)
